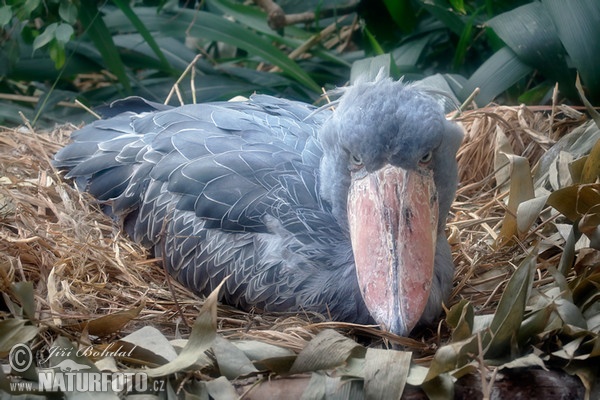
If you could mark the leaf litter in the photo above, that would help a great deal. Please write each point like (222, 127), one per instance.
(524, 295)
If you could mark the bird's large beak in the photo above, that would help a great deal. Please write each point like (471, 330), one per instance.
(393, 216)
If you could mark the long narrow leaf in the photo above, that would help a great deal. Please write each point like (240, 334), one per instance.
(511, 308)
(496, 75)
(141, 28)
(212, 27)
(90, 17)
(578, 26)
(529, 32)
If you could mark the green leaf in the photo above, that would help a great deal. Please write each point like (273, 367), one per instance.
(327, 350)
(530, 33)
(24, 294)
(409, 53)
(460, 318)
(452, 356)
(465, 41)
(375, 46)
(386, 372)
(255, 19)
(221, 389)
(58, 55)
(46, 37)
(99, 34)
(496, 75)
(14, 331)
(142, 30)
(521, 190)
(26, 8)
(201, 339)
(511, 308)
(534, 324)
(211, 27)
(369, 68)
(231, 360)
(6, 15)
(68, 11)
(63, 33)
(576, 201)
(402, 13)
(440, 10)
(579, 30)
(458, 5)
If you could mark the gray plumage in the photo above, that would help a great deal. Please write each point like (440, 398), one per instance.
(257, 189)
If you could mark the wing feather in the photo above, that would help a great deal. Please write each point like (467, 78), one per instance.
(220, 189)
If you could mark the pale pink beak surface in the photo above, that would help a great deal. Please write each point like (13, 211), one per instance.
(393, 218)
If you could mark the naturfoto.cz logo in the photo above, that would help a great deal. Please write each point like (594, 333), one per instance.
(71, 376)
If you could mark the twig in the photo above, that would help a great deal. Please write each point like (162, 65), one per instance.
(26, 122)
(31, 99)
(175, 87)
(86, 108)
(278, 19)
(466, 103)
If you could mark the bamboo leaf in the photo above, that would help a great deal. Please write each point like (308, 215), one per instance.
(24, 293)
(386, 372)
(221, 389)
(203, 334)
(521, 189)
(460, 318)
(577, 200)
(528, 212)
(452, 356)
(110, 323)
(231, 360)
(511, 308)
(14, 331)
(327, 350)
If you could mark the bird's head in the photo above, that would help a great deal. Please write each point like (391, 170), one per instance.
(389, 172)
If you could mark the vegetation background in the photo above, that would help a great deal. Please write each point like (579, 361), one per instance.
(55, 51)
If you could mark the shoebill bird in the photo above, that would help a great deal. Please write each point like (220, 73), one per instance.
(339, 212)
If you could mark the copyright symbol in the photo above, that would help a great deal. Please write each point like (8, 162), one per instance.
(20, 357)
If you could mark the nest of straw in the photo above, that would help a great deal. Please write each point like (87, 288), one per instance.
(83, 268)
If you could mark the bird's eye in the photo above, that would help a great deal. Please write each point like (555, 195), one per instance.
(426, 158)
(356, 160)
